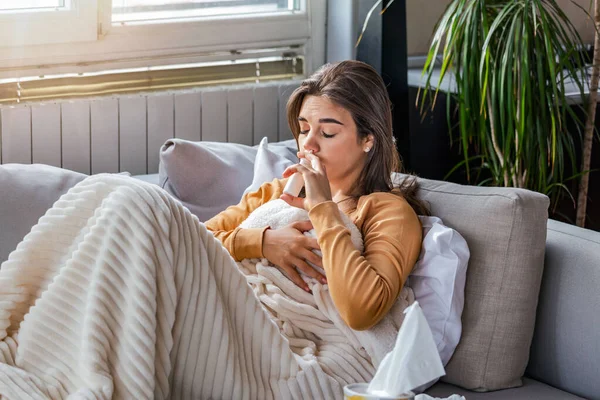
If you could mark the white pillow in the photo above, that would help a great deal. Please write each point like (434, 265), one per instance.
(269, 164)
(438, 282)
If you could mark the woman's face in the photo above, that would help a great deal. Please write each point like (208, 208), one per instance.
(329, 131)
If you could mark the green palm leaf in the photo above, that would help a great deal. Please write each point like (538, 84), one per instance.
(512, 61)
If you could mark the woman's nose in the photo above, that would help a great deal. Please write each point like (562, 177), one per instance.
(310, 144)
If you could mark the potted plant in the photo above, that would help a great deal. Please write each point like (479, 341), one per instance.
(511, 61)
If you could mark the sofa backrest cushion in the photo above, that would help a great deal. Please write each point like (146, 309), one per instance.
(26, 192)
(505, 229)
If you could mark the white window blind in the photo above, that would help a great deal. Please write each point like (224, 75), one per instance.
(286, 66)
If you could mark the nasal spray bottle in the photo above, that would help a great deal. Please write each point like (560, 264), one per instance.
(296, 182)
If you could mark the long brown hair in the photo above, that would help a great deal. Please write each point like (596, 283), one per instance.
(358, 88)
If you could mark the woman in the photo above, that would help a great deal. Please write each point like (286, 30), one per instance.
(341, 119)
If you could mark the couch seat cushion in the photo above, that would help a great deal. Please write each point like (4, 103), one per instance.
(531, 390)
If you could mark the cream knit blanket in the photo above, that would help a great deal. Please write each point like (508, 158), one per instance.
(119, 292)
(302, 317)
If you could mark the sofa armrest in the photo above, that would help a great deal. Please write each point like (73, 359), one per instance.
(565, 351)
(27, 191)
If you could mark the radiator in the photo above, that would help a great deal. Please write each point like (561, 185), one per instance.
(125, 133)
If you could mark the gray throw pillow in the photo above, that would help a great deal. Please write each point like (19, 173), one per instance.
(28, 191)
(208, 177)
(505, 229)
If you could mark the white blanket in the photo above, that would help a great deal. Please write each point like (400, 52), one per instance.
(297, 312)
(119, 292)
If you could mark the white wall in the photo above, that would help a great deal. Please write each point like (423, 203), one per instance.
(423, 14)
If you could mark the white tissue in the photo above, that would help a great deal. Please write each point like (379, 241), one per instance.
(414, 360)
(427, 397)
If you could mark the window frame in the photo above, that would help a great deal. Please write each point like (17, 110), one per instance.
(140, 45)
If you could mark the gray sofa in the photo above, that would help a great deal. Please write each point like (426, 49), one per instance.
(563, 358)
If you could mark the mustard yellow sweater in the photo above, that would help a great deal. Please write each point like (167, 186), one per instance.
(363, 286)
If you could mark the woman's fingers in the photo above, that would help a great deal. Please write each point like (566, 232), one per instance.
(292, 169)
(308, 270)
(315, 163)
(289, 171)
(303, 226)
(315, 182)
(295, 277)
(313, 243)
(311, 257)
(297, 202)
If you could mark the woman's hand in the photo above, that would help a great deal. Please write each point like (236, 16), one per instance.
(287, 248)
(316, 184)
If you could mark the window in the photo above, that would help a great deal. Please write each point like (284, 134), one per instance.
(31, 22)
(53, 37)
(165, 10)
(21, 5)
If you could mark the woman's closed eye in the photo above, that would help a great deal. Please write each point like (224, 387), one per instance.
(325, 135)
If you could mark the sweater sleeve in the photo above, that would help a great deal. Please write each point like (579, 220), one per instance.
(244, 243)
(364, 287)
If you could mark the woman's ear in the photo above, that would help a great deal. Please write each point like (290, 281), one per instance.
(369, 140)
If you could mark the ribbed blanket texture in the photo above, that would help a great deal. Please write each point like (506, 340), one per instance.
(119, 292)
